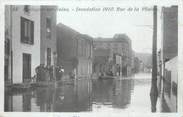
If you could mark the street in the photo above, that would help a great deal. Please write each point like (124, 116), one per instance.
(129, 94)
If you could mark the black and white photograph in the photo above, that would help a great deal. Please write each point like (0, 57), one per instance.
(91, 58)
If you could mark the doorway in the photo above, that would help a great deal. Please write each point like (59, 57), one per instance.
(26, 67)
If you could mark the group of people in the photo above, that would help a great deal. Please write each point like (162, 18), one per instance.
(46, 73)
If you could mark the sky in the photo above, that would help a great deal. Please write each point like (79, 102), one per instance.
(136, 24)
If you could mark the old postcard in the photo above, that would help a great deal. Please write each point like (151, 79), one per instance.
(91, 58)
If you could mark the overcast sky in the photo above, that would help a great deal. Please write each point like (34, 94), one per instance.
(137, 25)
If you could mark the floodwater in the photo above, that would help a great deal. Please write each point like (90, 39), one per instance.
(85, 95)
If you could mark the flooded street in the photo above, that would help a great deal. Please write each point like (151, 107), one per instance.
(126, 95)
(98, 61)
(96, 95)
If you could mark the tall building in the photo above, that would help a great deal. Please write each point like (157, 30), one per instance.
(75, 51)
(169, 52)
(22, 40)
(48, 35)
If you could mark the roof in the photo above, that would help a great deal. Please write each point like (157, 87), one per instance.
(68, 29)
(64, 27)
(116, 37)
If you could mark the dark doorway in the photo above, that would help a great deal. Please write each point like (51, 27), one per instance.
(48, 56)
(26, 67)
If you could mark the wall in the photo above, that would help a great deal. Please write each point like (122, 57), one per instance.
(85, 47)
(76, 48)
(8, 39)
(20, 48)
(47, 42)
(170, 32)
(169, 55)
(101, 60)
(84, 68)
(119, 44)
(171, 100)
(66, 47)
(66, 43)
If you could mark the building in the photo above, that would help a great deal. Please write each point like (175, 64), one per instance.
(84, 55)
(120, 47)
(101, 64)
(22, 42)
(30, 40)
(48, 52)
(75, 51)
(169, 32)
(145, 61)
(8, 48)
(133, 62)
(169, 53)
(136, 65)
(48, 35)
(126, 52)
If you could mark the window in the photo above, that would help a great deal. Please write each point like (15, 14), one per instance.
(27, 31)
(27, 9)
(48, 28)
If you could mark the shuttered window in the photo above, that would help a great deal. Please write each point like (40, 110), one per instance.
(27, 31)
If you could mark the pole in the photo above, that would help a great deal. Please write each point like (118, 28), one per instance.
(154, 89)
(54, 67)
(11, 50)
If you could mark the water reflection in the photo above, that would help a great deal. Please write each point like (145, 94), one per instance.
(123, 90)
(112, 92)
(65, 98)
(43, 98)
(83, 95)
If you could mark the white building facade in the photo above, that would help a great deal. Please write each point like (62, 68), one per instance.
(25, 42)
